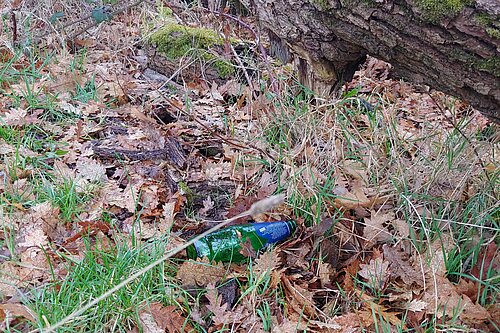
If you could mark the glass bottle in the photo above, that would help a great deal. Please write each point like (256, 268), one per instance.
(226, 244)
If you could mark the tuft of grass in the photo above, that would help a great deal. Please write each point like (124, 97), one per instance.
(99, 270)
(64, 193)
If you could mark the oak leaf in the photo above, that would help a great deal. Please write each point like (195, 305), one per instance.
(375, 272)
(200, 272)
(400, 267)
(160, 318)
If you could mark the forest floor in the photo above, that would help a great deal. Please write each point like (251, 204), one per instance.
(108, 164)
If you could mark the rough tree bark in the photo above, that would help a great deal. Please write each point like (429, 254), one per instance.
(449, 45)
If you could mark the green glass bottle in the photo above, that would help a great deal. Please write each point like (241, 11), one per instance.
(225, 244)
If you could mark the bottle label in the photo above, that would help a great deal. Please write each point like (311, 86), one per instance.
(273, 231)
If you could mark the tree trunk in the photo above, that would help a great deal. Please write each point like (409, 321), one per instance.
(452, 46)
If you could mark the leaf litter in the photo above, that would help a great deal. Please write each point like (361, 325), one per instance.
(138, 155)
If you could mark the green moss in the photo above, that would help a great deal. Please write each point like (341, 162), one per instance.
(164, 11)
(493, 32)
(483, 19)
(434, 10)
(490, 24)
(490, 65)
(224, 68)
(176, 41)
(323, 4)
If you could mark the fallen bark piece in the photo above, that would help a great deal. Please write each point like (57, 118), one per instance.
(173, 153)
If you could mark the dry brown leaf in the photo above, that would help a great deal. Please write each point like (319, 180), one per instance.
(356, 170)
(417, 305)
(351, 270)
(15, 277)
(221, 314)
(267, 262)
(219, 311)
(352, 199)
(400, 267)
(91, 170)
(150, 196)
(325, 272)
(159, 318)
(247, 249)
(330, 326)
(200, 272)
(402, 228)
(216, 171)
(126, 198)
(438, 251)
(467, 287)
(288, 326)
(297, 257)
(485, 262)
(8, 279)
(168, 214)
(15, 310)
(350, 322)
(148, 323)
(169, 318)
(18, 117)
(443, 300)
(381, 310)
(375, 230)
(299, 298)
(375, 272)
(208, 205)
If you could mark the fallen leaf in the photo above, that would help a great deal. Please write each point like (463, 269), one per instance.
(375, 272)
(221, 314)
(288, 326)
(168, 214)
(443, 300)
(402, 228)
(484, 262)
(217, 171)
(416, 305)
(350, 322)
(219, 311)
(208, 204)
(299, 298)
(200, 272)
(438, 251)
(148, 323)
(15, 310)
(247, 249)
(375, 230)
(350, 272)
(91, 170)
(356, 170)
(267, 262)
(380, 310)
(325, 272)
(400, 267)
(169, 318)
(354, 198)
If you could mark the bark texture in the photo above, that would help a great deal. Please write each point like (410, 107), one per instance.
(452, 46)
